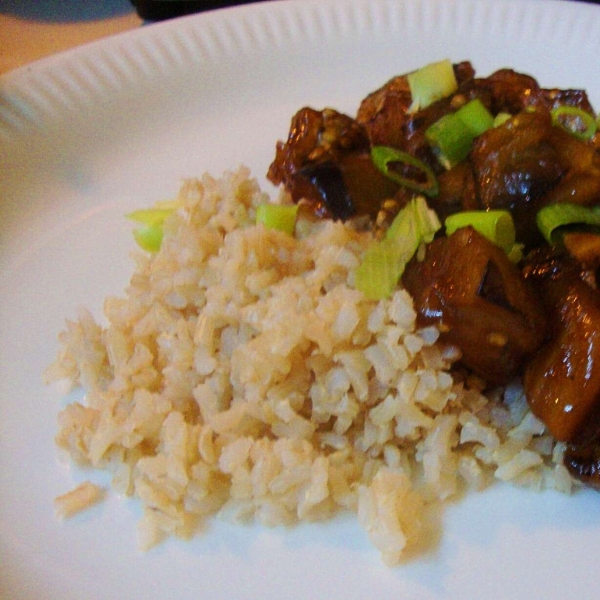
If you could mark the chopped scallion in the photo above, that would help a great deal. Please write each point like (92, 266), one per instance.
(551, 218)
(452, 135)
(399, 166)
(476, 117)
(380, 270)
(576, 121)
(496, 225)
(451, 139)
(278, 216)
(384, 262)
(150, 216)
(516, 253)
(431, 83)
(149, 236)
(425, 220)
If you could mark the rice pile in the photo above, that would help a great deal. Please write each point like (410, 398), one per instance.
(243, 375)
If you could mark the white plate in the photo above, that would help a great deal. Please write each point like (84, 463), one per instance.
(88, 135)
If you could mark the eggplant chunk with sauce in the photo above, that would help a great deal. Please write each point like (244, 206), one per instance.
(326, 162)
(562, 381)
(469, 288)
(528, 163)
(538, 149)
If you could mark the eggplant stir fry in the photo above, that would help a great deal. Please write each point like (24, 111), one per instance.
(509, 236)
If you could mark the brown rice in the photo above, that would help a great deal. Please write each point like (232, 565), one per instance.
(242, 374)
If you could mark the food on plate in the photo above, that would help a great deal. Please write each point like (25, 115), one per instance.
(391, 330)
(467, 285)
(78, 499)
(498, 146)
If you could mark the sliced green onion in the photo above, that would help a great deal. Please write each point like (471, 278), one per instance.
(476, 117)
(380, 270)
(431, 83)
(516, 253)
(452, 136)
(576, 121)
(415, 216)
(496, 225)
(451, 139)
(384, 262)
(390, 161)
(149, 236)
(277, 216)
(553, 217)
(150, 216)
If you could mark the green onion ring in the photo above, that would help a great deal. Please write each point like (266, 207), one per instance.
(552, 217)
(562, 115)
(383, 156)
(431, 83)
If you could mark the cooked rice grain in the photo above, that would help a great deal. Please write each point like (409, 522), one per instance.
(242, 374)
(81, 498)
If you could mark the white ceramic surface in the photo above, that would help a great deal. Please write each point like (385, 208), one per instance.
(87, 136)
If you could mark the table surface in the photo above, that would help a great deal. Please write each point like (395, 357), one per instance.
(33, 29)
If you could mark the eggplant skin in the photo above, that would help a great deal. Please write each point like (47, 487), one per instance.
(582, 460)
(467, 286)
(351, 186)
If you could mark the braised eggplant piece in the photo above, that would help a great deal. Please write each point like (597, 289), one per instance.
(581, 161)
(326, 161)
(553, 98)
(383, 113)
(512, 92)
(456, 191)
(514, 166)
(350, 186)
(322, 185)
(582, 453)
(467, 286)
(315, 137)
(562, 381)
(583, 247)
(386, 117)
